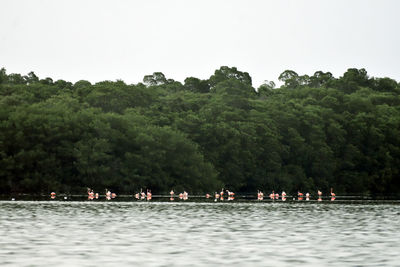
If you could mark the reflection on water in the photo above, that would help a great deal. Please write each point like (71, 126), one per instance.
(181, 233)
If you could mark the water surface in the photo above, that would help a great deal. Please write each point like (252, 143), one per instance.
(40, 233)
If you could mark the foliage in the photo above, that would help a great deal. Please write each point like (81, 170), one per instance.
(314, 132)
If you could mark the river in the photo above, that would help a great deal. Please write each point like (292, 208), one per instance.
(247, 233)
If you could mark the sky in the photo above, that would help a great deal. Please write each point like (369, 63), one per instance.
(99, 40)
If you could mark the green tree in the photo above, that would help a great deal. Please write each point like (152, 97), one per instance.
(196, 85)
(157, 78)
(226, 73)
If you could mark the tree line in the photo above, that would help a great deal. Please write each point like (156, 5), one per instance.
(313, 132)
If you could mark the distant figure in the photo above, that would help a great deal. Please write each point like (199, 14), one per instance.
(299, 195)
(283, 194)
(272, 195)
(333, 195)
(108, 194)
(149, 195)
(307, 196)
(172, 193)
(207, 195)
(52, 195)
(260, 195)
(137, 196)
(319, 193)
(230, 194)
(185, 195)
(90, 194)
(97, 195)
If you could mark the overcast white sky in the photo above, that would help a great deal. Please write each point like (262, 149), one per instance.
(108, 40)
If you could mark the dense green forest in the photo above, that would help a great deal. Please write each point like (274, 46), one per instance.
(314, 132)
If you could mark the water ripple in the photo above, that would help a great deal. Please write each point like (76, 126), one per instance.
(165, 234)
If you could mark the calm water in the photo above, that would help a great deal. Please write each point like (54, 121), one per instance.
(45, 233)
